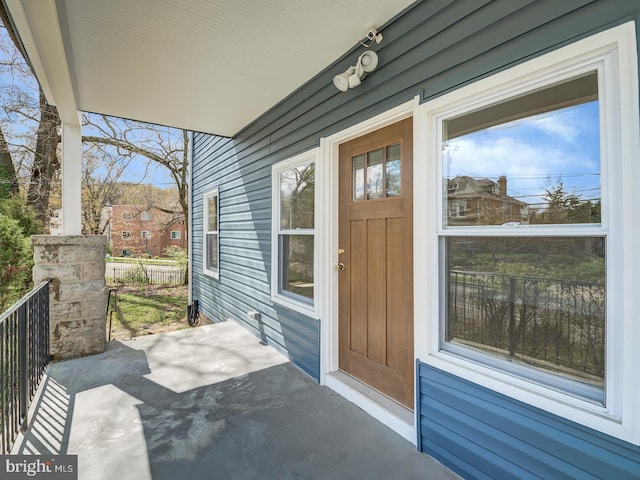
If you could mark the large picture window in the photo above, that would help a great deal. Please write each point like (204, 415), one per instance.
(536, 175)
(529, 301)
(293, 273)
(211, 233)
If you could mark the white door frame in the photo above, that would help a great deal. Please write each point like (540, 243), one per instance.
(328, 238)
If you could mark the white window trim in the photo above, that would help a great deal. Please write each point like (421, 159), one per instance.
(178, 234)
(205, 220)
(128, 237)
(615, 50)
(145, 234)
(287, 301)
(145, 216)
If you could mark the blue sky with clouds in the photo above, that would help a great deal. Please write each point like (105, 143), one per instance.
(535, 153)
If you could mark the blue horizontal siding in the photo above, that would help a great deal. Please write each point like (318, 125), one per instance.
(483, 434)
(433, 48)
(244, 186)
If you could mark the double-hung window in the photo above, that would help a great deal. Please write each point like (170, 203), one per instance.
(530, 271)
(294, 245)
(524, 271)
(211, 235)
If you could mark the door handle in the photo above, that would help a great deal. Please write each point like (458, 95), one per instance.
(339, 267)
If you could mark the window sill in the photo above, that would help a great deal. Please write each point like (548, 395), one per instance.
(210, 274)
(298, 307)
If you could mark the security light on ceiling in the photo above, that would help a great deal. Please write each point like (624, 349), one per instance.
(367, 63)
(353, 76)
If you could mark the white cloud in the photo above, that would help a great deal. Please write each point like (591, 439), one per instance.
(530, 166)
(554, 126)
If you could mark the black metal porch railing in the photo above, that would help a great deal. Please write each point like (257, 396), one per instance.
(551, 323)
(24, 356)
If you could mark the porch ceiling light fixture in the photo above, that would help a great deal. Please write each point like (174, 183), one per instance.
(367, 63)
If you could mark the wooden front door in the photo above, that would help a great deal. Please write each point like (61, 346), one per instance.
(376, 249)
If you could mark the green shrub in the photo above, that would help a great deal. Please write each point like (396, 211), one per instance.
(16, 262)
(17, 209)
(180, 255)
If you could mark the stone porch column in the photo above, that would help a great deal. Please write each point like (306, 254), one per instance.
(76, 265)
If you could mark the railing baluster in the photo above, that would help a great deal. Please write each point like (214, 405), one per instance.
(14, 375)
(23, 365)
(3, 393)
(512, 316)
(24, 356)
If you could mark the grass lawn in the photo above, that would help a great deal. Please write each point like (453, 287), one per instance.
(146, 309)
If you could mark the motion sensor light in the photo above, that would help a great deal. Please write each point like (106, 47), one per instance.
(353, 76)
(369, 61)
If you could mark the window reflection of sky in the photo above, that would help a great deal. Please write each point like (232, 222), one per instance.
(359, 184)
(383, 174)
(535, 154)
(394, 178)
(374, 181)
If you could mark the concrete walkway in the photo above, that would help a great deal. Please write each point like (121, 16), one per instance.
(209, 403)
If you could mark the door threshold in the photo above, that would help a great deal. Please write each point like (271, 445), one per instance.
(387, 411)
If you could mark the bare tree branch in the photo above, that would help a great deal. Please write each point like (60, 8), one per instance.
(45, 163)
(152, 142)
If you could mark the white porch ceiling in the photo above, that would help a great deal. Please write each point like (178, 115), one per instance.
(203, 65)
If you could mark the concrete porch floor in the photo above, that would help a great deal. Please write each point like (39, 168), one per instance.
(209, 403)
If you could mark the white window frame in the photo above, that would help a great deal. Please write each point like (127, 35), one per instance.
(307, 308)
(614, 54)
(145, 216)
(128, 237)
(177, 234)
(145, 234)
(205, 220)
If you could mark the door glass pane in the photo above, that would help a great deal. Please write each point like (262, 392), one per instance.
(297, 187)
(534, 159)
(535, 301)
(358, 178)
(393, 171)
(375, 174)
(296, 253)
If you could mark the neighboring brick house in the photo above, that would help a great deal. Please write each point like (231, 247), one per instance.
(471, 201)
(137, 229)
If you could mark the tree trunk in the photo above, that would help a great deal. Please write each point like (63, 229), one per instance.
(45, 163)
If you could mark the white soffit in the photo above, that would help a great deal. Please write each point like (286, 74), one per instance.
(205, 65)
